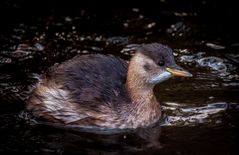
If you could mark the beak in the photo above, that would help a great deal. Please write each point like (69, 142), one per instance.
(173, 70)
(178, 71)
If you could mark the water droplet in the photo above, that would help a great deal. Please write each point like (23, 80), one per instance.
(39, 47)
(150, 25)
(135, 9)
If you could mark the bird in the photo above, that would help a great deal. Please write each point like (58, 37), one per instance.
(104, 90)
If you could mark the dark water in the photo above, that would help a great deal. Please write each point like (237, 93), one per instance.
(201, 113)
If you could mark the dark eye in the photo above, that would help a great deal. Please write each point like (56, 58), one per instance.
(161, 63)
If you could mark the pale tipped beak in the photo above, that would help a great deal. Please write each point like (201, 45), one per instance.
(178, 71)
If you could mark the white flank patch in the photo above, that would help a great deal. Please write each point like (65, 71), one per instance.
(57, 102)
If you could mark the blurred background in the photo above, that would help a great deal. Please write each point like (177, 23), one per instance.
(201, 112)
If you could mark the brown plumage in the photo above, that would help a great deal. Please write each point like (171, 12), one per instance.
(103, 90)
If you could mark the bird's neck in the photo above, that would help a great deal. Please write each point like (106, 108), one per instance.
(136, 83)
(144, 108)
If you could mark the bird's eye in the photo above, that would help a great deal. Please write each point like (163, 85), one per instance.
(161, 63)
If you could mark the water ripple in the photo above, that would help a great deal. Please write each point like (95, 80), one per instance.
(218, 66)
(181, 115)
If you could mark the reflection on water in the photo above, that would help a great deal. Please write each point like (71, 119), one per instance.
(214, 63)
(183, 115)
(201, 112)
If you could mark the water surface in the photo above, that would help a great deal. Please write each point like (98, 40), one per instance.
(201, 113)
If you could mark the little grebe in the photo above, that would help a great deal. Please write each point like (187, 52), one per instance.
(97, 90)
